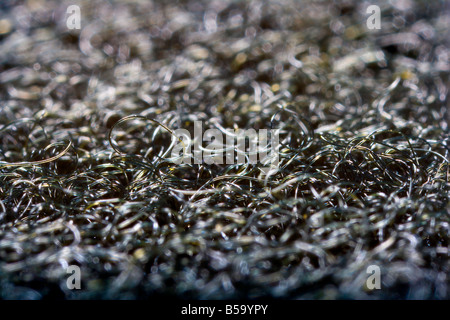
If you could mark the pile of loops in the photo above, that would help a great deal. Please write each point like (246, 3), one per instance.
(364, 161)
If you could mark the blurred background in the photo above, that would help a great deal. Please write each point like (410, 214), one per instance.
(124, 220)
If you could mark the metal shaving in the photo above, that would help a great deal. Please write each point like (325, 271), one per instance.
(363, 177)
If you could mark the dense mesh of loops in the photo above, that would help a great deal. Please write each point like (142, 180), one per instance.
(363, 174)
